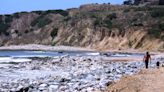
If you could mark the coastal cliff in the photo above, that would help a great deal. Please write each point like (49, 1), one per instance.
(96, 26)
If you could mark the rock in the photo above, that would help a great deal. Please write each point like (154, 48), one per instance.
(63, 88)
(60, 52)
(98, 79)
(53, 88)
(4, 90)
(43, 86)
(90, 77)
(118, 71)
(108, 83)
(71, 75)
(19, 87)
(64, 80)
(35, 68)
(89, 59)
(89, 89)
(162, 65)
(108, 71)
(25, 89)
(106, 54)
(14, 35)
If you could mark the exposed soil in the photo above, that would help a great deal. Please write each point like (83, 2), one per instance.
(151, 80)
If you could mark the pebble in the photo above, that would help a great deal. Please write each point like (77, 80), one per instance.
(43, 86)
(53, 88)
(68, 74)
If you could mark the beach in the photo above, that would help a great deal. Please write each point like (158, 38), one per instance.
(91, 71)
(150, 80)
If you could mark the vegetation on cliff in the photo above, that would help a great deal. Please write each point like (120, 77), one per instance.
(100, 26)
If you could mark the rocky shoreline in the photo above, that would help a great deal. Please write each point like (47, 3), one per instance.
(66, 74)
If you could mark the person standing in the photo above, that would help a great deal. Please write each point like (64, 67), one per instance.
(146, 59)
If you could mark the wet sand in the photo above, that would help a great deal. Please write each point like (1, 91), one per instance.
(37, 47)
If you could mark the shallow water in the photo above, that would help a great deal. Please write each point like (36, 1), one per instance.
(42, 53)
(54, 53)
(25, 56)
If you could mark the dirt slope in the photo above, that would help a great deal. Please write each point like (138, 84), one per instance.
(151, 80)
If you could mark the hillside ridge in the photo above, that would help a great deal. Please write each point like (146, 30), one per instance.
(97, 26)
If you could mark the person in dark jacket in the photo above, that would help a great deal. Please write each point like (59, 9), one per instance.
(146, 59)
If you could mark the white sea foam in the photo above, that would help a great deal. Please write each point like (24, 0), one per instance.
(5, 58)
(11, 59)
(121, 55)
(27, 56)
(93, 54)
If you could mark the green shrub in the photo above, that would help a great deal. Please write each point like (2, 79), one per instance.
(34, 22)
(108, 24)
(62, 12)
(162, 38)
(103, 23)
(16, 31)
(126, 10)
(6, 33)
(130, 43)
(16, 15)
(31, 29)
(154, 32)
(53, 43)
(93, 16)
(8, 18)
(157, 13)
(54, 32)
(23, 12)
(3, 27)
(38, 12)
(139, 8)
(98, 22)
(41, 21)
(161, 26)
(1, 18)
(112, 16)
(67, 19)
(26, 31)
(137, 24)
(19, 34)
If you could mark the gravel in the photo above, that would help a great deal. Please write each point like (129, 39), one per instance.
(66, 74)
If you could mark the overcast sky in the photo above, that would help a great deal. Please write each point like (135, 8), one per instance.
(12, 6)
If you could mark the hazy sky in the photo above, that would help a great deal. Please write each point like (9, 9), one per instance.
(11, 6)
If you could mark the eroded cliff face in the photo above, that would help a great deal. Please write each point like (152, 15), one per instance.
(101, 27)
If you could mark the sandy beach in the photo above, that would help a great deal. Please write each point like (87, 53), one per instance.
(150, 80)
